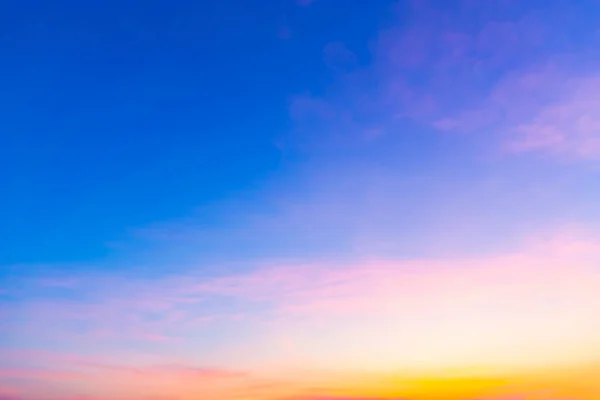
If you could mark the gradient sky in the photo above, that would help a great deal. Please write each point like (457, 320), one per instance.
(300, 200)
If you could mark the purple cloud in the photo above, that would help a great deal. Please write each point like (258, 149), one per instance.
(516, 78)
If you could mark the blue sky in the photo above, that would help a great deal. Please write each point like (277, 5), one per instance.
(116, 118)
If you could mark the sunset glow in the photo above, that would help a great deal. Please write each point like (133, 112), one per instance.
(300, 200)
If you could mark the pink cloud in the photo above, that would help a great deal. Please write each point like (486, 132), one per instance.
(38, 374)
(317, 282)
(569, 128)
(170, 307)
(530, 109)
(92, 377)
(543, 109)
(10, 392)
(64, 363)
(95, 378)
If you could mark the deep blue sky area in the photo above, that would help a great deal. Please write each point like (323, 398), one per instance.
(117, 114)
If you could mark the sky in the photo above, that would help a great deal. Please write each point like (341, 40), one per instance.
(300, 200)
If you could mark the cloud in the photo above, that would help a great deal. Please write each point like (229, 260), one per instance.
(37, 374)
(69, 366)
(519, 79)
(177, 371)
(98, 381)
(544, 109)
(475, 309)
(9, 392)
(570, 128)
(88, 377)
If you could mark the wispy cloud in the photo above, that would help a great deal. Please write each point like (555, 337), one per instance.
(83, 377)
(517, 78)
(470, 310)
(570, 128)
